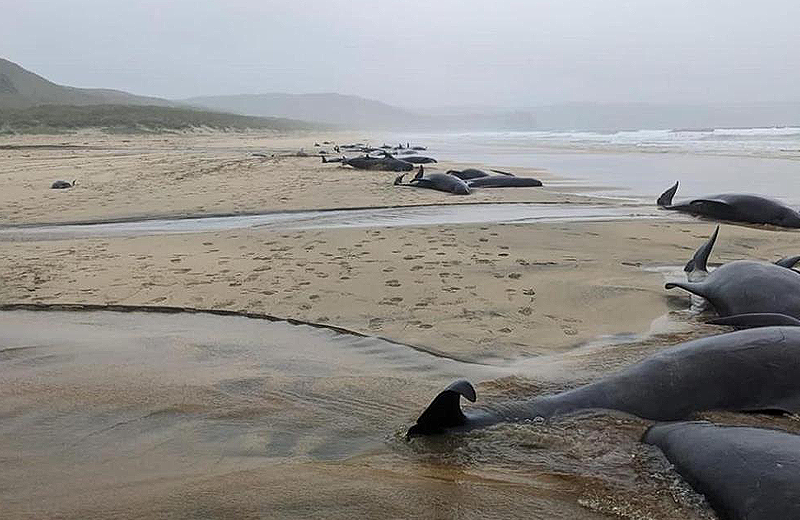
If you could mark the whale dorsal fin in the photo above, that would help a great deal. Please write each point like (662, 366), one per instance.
(700, 259)
(788, 261)
(757, 319)
(666, 198)
(445, 410)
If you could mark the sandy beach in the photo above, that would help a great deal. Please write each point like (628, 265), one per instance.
(488, 293)
(475, 291)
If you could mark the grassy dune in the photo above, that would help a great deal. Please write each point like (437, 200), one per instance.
(134, 119)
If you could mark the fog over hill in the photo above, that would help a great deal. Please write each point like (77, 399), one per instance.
(21, 88)
(359, 113)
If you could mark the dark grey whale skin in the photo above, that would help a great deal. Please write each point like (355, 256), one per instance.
(744, 473)
(387, 164)
(503, 181)
(435, 181)
(746, 287)
(418, 159)
(735, 207)
(473, 173)
(442, 182)
(747, 370)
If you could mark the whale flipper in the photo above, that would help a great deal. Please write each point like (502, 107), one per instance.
(697, 288)
(714, 208)
(788, 261)
(757, 319)
(502, 173)
(445, 410)
(700, 259)
(666, 198)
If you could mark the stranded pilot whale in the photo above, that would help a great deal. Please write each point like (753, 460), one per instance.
(435, 181)
(60, 185)
(387, 163)
(745, 292)
(744, 473)
(503, 181)
(697, 270)
(737, 207)
(747, 370)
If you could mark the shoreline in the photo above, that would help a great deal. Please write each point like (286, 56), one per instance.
(157, 409)
(484, 290)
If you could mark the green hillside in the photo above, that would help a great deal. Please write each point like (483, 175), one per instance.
(121, 118)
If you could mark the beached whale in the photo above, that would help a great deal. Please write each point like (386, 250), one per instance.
(503, 181)
(60, 185)
(744, 473)
(745, 292)
(747, 370)
(418, 159)
(435, 181)
(386, 164)
(473, 173)
(736, 207)
(697, 269)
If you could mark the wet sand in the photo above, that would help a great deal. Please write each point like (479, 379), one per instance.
(123, 177)
(142, 415)
(479, 292)
(568, 300)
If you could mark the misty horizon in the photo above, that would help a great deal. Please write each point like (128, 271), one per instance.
(411, 54)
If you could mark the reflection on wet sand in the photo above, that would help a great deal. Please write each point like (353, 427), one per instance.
(190, 414)
(334, 219)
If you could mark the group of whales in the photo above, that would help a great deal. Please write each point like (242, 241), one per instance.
(744, 472)
(386, 161)
(461, 182)
(457, 182)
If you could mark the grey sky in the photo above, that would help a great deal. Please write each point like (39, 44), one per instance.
(417, 52)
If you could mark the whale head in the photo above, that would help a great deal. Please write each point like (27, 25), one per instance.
(789, 219)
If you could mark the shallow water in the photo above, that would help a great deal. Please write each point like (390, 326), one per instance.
(641, 164)
(140, 414)
(331, 219)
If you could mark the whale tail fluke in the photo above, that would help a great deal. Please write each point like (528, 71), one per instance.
(788, 261)
(324, 161)
(699, 261)
(757, 319)
(444, 411)
(399, 179)
(666, 198)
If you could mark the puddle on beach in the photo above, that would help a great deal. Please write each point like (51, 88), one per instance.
(331, 219)
(145, 414)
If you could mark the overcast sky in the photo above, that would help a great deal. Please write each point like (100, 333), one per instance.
(417, 52)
